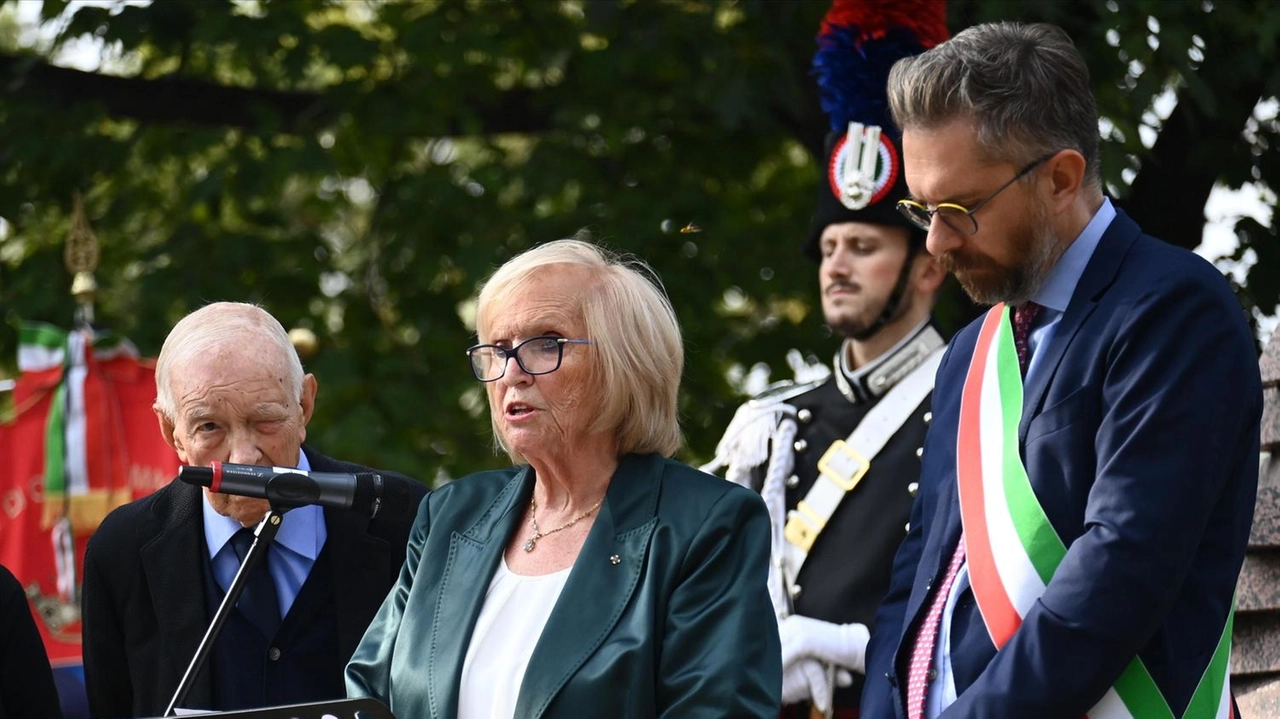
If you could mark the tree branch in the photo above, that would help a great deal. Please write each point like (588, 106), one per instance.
(185, 101)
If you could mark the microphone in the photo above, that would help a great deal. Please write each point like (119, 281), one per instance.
(288, 487)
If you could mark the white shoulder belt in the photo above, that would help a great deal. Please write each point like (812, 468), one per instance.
(847, 461)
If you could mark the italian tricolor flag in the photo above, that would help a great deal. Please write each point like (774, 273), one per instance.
(82, 440)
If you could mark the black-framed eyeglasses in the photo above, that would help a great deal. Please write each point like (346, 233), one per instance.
(958, 217)
(536, 355)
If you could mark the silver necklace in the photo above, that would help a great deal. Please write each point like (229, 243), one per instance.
(539, 534)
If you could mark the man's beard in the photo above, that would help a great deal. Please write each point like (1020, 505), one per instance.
(1012, 285)
(854, 324)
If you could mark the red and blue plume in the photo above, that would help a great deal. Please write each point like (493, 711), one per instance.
(859, 42)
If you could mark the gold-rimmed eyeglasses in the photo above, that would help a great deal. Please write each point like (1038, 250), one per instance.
(958, 217)
(536, 355)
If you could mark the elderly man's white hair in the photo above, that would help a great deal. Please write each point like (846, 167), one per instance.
(215, 324)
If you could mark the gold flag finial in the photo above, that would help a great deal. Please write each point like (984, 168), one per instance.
(81, 258)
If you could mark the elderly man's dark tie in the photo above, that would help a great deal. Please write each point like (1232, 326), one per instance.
(258, 603)
(1023, 315)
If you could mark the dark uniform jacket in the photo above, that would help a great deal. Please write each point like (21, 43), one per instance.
(847, 570)
(145, 606)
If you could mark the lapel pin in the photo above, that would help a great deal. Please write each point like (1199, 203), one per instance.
(615, 559)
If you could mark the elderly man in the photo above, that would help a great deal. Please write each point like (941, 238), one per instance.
(230, 388)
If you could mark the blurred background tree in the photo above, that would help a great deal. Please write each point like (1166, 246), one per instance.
(358, 167)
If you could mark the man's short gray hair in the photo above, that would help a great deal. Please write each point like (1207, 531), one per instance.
(1025, 87)
(216, 324)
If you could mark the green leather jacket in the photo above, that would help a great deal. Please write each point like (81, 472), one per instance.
(666, 612)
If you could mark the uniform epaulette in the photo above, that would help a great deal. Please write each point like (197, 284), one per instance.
(783, 391)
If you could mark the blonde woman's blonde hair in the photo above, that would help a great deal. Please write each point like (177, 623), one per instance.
(637, 352)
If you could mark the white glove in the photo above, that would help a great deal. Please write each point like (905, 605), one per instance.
(806, 680)
(844, 645)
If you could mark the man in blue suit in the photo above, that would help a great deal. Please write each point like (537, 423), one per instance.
(1088, 481)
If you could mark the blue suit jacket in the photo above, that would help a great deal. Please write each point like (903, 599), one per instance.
(680, 626)
(1140, 437)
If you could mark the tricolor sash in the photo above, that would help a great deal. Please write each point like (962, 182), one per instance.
(1012, 549)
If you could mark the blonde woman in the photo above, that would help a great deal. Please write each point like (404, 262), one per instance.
(596, 577)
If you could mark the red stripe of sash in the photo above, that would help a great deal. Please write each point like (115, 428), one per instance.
(997, 610)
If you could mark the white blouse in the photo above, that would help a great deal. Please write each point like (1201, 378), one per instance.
(515, 611)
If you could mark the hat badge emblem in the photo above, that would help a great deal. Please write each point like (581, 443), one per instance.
(863, 166)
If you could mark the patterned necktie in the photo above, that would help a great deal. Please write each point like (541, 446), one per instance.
(1023, 315)
(258, 602)
(927, 637)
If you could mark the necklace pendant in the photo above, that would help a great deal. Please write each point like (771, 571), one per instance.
(528, 546)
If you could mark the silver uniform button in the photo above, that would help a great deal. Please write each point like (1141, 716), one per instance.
(800, 445)
(906, 527)
(919, 452)
(805, 416)
(793, 481)
(928, 417)
(794, 591)
(274, 654)
(913, 488)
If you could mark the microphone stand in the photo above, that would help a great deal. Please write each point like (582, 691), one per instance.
(266, 530)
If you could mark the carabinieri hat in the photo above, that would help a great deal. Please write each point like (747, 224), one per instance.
(859, 42)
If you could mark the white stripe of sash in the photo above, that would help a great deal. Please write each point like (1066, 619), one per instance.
(1018, 575)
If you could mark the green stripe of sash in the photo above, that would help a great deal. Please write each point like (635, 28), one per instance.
(1044, 548)
(1204, 703)
(1142, 697)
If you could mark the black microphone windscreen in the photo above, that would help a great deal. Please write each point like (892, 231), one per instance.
(199, 476)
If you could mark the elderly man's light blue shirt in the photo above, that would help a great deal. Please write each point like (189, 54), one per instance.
(293, 553)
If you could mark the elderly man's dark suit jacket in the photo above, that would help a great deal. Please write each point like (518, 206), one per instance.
(1140, 436)
(144, 595)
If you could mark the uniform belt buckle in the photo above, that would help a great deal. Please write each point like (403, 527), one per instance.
(803, 526)
(843, 465)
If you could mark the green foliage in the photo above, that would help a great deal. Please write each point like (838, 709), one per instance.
(378, 160)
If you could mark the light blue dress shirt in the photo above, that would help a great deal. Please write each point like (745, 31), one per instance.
(1054, 296)
(292, 554)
